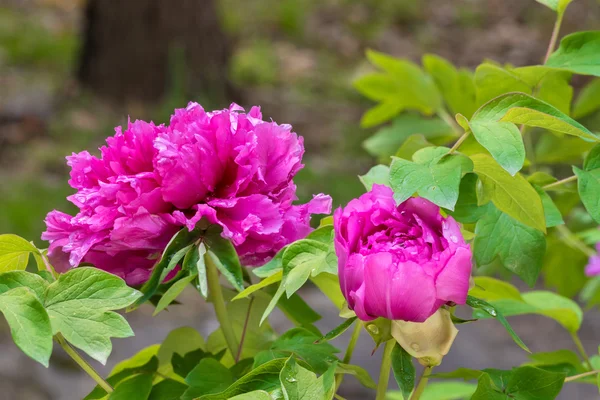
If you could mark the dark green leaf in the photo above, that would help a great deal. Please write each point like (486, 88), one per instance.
(492, 311)
(137, 387)
(301, 384)
(551, 212)
(467, 211)
(222, 252)
(209, 376)
(588, 185)
(343, 327)
(404, 370)
(173, 292)
(167, 390)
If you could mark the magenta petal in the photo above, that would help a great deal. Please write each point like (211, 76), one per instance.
(397, 291)
(452, 282)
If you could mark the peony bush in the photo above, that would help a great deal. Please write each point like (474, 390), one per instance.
(485, 178)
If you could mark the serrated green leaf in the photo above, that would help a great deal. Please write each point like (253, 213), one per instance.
(511, 194)
(379, 174)
(301, 343)
(403, 369)
(484, 308)
(519, 248)
(29, 323)
(588, 185)
(14, 252)
(15, 279)
(265, 377)
(579, 53)
(174, 291)
(433, 174)
(387, 140)
(588, 100)
(564, 311)
(79, 305)
(298, 383)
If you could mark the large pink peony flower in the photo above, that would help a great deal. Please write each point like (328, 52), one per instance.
(400, 262)
(231, 168)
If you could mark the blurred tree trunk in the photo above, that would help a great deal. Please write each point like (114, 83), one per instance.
(139, 49)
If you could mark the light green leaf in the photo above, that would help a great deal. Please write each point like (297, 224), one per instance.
(588, 185)
(254, 395)
(551, 212)
(434, 174)
(557, 5)
(298, 383)
(306, 258)
(492, 81)
(386, 141)
(553, 149)
(564, 311)
(457, 88)
(579, 53)
(519, 248)
(276, 277)
(379, 174)
(16, 279)
(403, 369)
(329, 285)
(442, 391)
(271, 267)
(411, 145)
(554, 89)
(137, 387)
(504, 142)
(359, 373)
(489, 289)
(588, 100)
(14, 252)
(173, 292)
(381, 113)
(511, 194)
(592, 159)
(29, 323)
(79, 304)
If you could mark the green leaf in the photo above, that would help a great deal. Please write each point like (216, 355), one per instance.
(411, 145)
(519, 248)
(167, 390)
(379, 174)
(566, 360)
(381, 113)
(441, 391)
(457, 88)
(552, 149)
(298, 383)
(588, 100)
(195, 263)
(579, 53)
(209, 376)
(276, 277)
(222, 252)
(360, 373)
(340, 329)
(467, 210)
(80, 305)
(592, 160)
(386, 141)
(433, 174)
(329, 284)
(176, 249)
(557, 5)
(265, 377)
(254, 395)
(567, 281)
(554, 89)
(298, 311)
(29, 323)
(489, 289)
(563, 310)
(588, 185)
(14, 253)
(301, 343)
(271, 267)
(493, 311)
(183, 365)
(16, 279)
(486, 390)
(511, 194)
(173, 292)
(504, 142)
(551, 212)
(534, 383)
(137, 387)
(179, 341)
(403, 369)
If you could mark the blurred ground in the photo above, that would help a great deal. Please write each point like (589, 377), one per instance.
(297, 59)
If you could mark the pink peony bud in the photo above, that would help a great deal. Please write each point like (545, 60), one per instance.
(400, 262)
(231, 168)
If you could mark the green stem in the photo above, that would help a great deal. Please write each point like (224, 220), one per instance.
(422, 383)
(573, 241)
(554, 37)
(579, 346)
(384, 372)
(575, 377)
(349, 350)
(459, 142)
(239, 353)
(82, 363)
(216, 296)
(561, 182)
